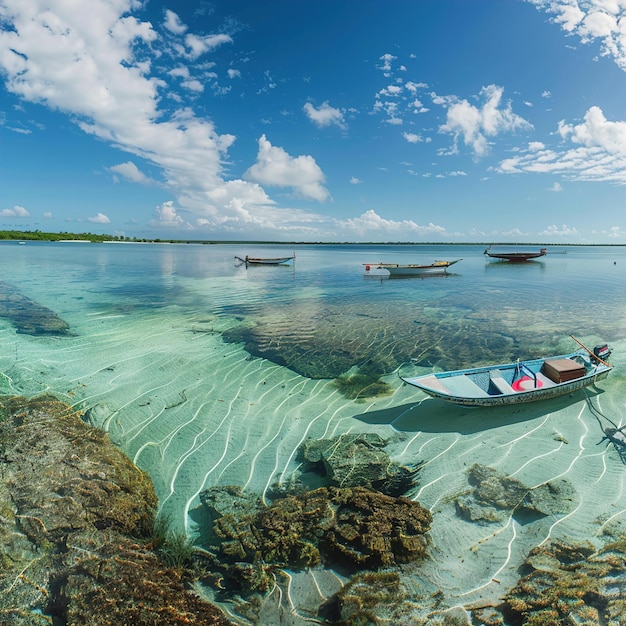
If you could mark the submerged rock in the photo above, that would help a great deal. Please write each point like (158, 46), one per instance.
(359, 460)
(494, 496)
(326, 343)
(76, 524)
(28, 316)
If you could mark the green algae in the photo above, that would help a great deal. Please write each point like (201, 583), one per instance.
(361, 386)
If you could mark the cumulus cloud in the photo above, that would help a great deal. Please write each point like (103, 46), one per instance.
(592, 20)
(325, 115)
(386, 63)
(165, 216)
(614, 232)
(130, 172)
(371, 224)
(16, 211)
(173, 23)
(274, 166)
(397, 100)
(412, 137)
(594, 150)
(100, 218)
(476, 125)
(113, 93)
(562, 231)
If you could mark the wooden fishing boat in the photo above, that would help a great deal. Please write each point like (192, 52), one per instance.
(521, 381)
(248, 260)
(394, 269)
(515, 256)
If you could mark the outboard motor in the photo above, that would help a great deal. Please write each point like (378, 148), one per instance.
(602, 352)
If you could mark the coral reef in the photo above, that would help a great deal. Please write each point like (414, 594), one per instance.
(571, 584)
(76, 524)
(348, 529)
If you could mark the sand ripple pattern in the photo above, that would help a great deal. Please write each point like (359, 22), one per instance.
(195, 411)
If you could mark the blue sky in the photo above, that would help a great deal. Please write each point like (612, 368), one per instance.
(333, 120)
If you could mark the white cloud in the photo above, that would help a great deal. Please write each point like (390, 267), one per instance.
(113, 93)
(325, 115)
(412, 137)
(48, 215)
(476, 125)
(596, 130)
(397, 99)
(371, 224)
(387, 60)
(274, 166)
(173, 23)
(101, 218)
(131, 172)
(595, 150)
(562, 231)
(16, 211)
(614, 232)
(355, 181)
(592, 20)
(234, 73)
(556, 187)
(197, 46)
(167, 217)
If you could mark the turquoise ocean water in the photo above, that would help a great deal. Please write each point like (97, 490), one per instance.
(207, 373)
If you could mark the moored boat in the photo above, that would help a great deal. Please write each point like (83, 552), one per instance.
(516, 256)
(394, 269)
(521, 381)
(248, 260)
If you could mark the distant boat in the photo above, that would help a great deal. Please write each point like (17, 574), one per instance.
(515, 256)
(394, 269)
(248, 260)
(521, 381)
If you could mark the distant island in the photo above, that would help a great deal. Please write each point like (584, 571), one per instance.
(38, 235)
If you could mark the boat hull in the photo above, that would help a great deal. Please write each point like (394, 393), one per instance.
(458, 387)
(516, 256)
(416, 271)
(394, 269)
(266, 261)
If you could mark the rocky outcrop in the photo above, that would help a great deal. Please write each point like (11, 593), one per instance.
(76, 529)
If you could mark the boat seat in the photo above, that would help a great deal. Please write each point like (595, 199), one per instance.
(500, 384)
(547, 382)
(463, 386)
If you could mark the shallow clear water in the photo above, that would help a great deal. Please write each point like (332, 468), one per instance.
(210, 373)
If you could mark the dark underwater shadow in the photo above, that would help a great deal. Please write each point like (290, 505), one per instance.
(437, 416)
